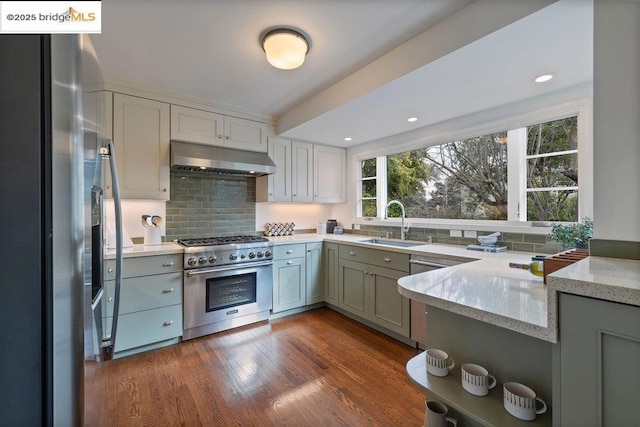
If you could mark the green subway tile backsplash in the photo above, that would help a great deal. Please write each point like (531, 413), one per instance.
(202, 206)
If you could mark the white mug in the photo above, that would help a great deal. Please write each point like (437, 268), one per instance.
(520, 401)
(476, 379)
(435, 415)
(438, 362)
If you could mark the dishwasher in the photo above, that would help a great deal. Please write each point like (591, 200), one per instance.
(422, 264)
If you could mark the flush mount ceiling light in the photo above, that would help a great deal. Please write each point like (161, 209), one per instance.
(348, 138)
(543, 78)
(285, 48)
(412, 119)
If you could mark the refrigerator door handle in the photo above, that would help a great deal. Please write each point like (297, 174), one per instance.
(107, 151)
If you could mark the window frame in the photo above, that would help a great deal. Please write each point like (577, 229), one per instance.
(516, 129)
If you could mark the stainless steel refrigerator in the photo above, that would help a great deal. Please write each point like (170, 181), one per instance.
(46, 290)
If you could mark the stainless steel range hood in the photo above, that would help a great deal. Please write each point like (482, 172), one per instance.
(186, 156)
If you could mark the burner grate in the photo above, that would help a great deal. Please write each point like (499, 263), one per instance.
(216, 241)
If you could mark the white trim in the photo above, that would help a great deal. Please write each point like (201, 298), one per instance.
(551, 154)
(535, 189)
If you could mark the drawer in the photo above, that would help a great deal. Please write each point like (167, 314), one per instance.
(147, 327)
(289, 251)
(388, 259)
(354, 253)
(145, 265)
(145, 293)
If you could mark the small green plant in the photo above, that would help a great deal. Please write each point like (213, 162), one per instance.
(573, 235)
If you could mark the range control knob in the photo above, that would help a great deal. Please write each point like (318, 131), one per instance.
(202, 260)
(213, 259)
(233, 257)
(191, 261)
(252, 255)
(267, 254)
(260, 254)
(242, 256)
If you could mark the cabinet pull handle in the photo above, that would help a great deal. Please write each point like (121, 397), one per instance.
(169, 264)
(290, 251)
(168, 323)
(387, 259)
(167, 290)
(219, 136)
(352, 253)
(289, 262)
(227, 138)
(110, 299)
(109, 270)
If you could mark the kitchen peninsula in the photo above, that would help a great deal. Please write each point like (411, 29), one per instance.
(506, 320)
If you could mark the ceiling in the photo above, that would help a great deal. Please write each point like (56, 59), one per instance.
(365, 73)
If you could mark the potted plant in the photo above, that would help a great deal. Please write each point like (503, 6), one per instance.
(575, 235)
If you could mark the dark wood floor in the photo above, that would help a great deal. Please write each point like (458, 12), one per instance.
(317, 368)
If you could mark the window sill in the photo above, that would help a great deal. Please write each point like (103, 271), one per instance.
(449, 224)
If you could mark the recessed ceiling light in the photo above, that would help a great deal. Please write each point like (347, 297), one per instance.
(543, 78)
(412, 119)
(348, 138)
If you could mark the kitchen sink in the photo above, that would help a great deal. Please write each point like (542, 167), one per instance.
(392, 242)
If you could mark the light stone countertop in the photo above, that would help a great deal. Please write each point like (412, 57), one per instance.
(609, 279)
(142, 250)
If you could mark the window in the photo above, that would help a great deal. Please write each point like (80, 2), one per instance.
(524, 174)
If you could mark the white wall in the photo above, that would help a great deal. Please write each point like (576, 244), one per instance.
(132, 211)
(616, 120)
(302, 215)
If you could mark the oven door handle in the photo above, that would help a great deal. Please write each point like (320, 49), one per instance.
(191, 273)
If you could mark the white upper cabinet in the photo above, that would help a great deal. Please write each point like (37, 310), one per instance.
(299, 167)
(330, 170)
(141, 140)
(276, 187)
(191, 125)
(301, 172)
(245, 134)
(204, 127)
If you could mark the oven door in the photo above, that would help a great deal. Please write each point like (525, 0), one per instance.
(220, 294)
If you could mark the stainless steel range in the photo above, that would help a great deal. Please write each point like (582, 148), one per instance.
(228, 282)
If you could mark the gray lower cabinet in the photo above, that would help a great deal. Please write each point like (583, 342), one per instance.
(313, 266)
(597, 365)
(368, 287)
(296, 276)
(330, 272)
(150, 312)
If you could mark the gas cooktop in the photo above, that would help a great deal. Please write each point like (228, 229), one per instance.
(217, 241)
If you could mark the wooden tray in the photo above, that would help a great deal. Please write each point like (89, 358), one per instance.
(556, 262)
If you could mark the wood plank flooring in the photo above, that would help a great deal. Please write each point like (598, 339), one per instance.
(318, 368)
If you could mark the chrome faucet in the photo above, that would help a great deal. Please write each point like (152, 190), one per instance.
(403, 229)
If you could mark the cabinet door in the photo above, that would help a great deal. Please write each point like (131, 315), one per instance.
(330, 272)
(302, 172)
(330, 171)
(141, 140)
(388, 308)
(246, 134)
(353, 292)
(314, 273)
(191, 125)
(276, 187)
(288, 284)
(599, 373)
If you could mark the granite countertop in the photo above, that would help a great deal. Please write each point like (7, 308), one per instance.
(142, 250)
(609, 279)
(490, 291)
